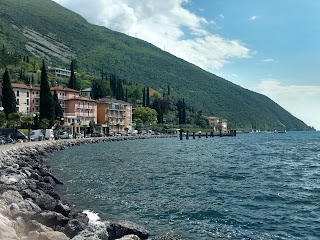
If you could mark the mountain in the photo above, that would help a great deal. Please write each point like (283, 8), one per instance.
(46, 30)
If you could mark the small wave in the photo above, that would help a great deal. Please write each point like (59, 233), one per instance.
(94, 218)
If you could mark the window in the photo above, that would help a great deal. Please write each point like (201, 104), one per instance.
(27, 101)
(27, 109)
(18, 101)
(18, 93)
(27, 93)
(116, 106)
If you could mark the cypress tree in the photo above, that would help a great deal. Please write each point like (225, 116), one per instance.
(8, 97)
(58, 112)
(144, 97)
(126, 99)
(46, 101)
(183, 114)
(73, 83)
(148, 97)
(168, 90)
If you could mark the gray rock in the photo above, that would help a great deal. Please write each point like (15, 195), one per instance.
(51, 219)
(129, 237)
(46, 202)
(11, 197)
(77, 224)
(119, 229)
(53, 235)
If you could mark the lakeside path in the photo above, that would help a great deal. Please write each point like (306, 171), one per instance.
(30, 208)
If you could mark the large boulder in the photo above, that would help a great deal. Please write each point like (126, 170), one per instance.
(119, 229)
(7, 231)
(46, 202)
(51, 219)
(77, 224)
(129, 237)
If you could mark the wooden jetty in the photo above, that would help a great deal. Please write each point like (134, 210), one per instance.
(187, 135)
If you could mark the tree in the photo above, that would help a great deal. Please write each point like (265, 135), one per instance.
(14, 121)
(8, 97)
(100, 89)
(145, 114)
(73, 83)
(3, 119)
(28, 120)
(144, 97)
(168, 90)
(46, 101)
(44, 123)
(148, 97)
(58, 112)
(181, 111)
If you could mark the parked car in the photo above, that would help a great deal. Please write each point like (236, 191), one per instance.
(64, 135)
(36, 135)
(96, 134)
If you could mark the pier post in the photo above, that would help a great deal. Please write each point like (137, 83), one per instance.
(220, 133)
(187, 135)
(206, 135)
(194, 135)
(180, 135)
(200, 135)
(211, 134)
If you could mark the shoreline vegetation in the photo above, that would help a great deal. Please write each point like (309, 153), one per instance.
(30, 208)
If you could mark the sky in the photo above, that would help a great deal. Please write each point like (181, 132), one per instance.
(268, 46)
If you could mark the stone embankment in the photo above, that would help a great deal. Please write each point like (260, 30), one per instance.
(30, 208)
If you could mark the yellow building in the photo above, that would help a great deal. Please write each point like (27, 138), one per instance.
(115, 114)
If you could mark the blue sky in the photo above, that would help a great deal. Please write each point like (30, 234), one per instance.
(268, 46)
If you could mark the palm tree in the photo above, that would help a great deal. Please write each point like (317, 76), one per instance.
(3, 119)
(14, 121)
(28, 119)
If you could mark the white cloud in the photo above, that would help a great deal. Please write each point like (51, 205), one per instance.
(221, 16)
(166, 24)
(302, 101)
(253, 18)
(268, 60)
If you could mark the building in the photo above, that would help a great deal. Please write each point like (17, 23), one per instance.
(60, 72)
(114, 114)
(218, 124)
(27, 97)
(86, 92)
(77, 110)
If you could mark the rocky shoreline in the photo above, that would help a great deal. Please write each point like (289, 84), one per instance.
(30, 208)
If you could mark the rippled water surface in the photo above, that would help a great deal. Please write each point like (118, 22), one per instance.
(253, 186)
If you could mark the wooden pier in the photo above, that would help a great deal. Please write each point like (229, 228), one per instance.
(187, 135)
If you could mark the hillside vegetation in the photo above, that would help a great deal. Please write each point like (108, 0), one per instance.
(44, 29)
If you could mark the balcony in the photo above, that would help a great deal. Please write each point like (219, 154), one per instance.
(62, 97)
(69, 115)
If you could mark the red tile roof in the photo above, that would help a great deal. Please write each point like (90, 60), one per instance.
(63, 89)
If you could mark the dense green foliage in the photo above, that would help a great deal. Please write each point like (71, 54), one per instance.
(8, 97)
(58, 112)
(139, 62)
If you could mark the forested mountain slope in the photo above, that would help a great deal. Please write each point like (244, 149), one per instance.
(47, 30)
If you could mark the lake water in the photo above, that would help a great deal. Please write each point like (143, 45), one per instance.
(253, 186)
